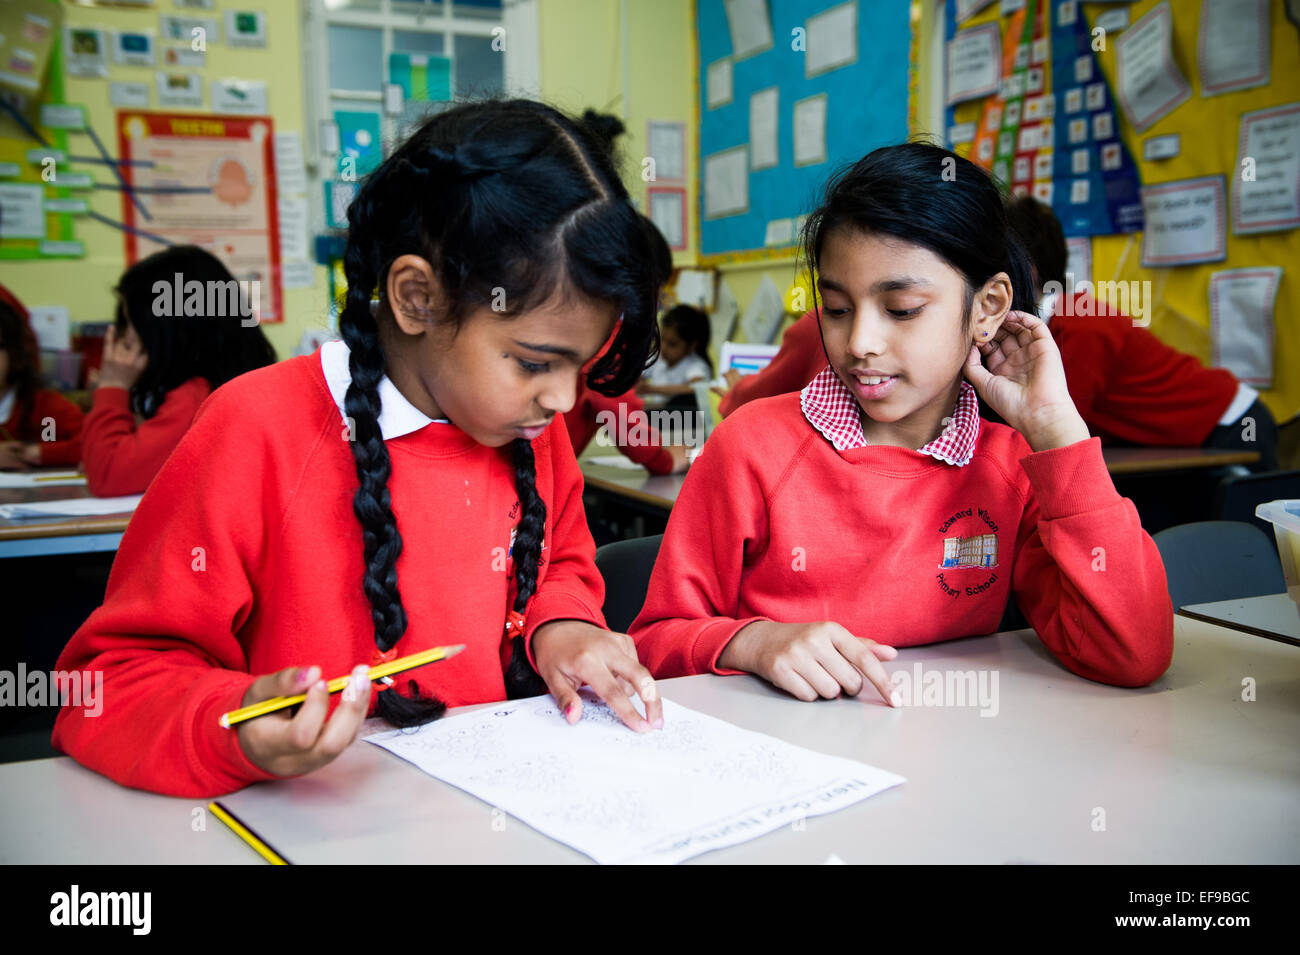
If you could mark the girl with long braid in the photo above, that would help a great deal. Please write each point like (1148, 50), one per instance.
(407, 487)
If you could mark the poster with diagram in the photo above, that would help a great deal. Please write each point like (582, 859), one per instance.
(207, 181)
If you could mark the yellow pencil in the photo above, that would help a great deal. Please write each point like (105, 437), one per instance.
(248, 835)
(431, 655)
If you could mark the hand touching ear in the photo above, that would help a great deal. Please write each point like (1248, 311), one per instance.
(1019, 375)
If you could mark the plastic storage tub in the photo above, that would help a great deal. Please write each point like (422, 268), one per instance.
(1285, 518)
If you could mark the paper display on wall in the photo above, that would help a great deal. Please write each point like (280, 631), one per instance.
(810, 130)
(749, 25)
(622, 797)
(1241, 322)
(666, 143)
(726, 182)
(1232, 47)
(668, 213)
(85, 52)
(719, 83)
(764, 313)
(722, 320)
(1149, 84)
(1266, 183)
(1078, 262)
(1186, 222)
(831, 38)
(763, 111)
(974, 64)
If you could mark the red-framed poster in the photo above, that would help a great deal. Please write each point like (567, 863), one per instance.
(209, 181)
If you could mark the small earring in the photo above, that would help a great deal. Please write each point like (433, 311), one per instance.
(984, 334)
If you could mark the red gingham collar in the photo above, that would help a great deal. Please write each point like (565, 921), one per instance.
(831, 408)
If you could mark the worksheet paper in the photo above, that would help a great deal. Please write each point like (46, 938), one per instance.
(1241, 322)
(1150, 86)
(25, 479)
(1232, 47)
(72, 507)
(974, 63)
(1186, 222)
(622, 797)
(1266, 181)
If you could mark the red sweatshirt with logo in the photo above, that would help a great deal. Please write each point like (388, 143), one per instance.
(773, 523)
(120, 456)
(245, 558)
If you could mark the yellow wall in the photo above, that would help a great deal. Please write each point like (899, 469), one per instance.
(582, 66)
(85, 285)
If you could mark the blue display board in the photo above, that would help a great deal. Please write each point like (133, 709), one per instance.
(866, 107)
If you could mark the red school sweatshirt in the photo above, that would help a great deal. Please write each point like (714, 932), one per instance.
(582, 422)
(1129, 385)
(773, 523)
(245, 558)
(27, 424)
(121, 457)
(800, 359)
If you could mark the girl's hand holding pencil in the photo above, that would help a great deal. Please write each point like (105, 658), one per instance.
(1020, 375)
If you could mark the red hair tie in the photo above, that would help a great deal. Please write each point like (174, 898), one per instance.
(376, 658)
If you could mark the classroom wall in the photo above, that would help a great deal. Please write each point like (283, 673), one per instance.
(85, 286)
(643, 73)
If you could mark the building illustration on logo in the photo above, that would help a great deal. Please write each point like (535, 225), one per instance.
(980, 550)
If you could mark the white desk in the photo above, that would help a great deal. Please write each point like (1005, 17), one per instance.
(1184, 770)
(1274, 616)
(38, 536)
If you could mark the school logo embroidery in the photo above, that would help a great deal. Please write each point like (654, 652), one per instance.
(977, 549)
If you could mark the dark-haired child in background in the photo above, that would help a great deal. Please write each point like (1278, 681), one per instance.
(38, 427)
(159, 367)
(407, 487)
(683, 360)
(1130, 386)
(820, 530)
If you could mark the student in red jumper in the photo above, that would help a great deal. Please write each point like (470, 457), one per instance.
(38, 427)
(819, 531)
(183, 328)
(1131, 387)
(407, 487)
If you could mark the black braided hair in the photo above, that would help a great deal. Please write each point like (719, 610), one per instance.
(497, 195)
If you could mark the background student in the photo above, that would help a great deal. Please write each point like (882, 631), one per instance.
(683, 360)
(159, 366)
(1130, 386)
(407, 487)
(38, 427)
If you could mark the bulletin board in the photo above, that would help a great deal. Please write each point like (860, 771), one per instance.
(1208, 127)
(858, 95)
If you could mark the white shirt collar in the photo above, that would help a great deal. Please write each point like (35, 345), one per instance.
(397, 416)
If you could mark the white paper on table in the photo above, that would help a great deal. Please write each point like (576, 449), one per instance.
(27, 479)
(726, 182)
(1268, 152)
(1185, 222)
(722, 320)
(763, 110)
(1241, 322)
(617, 796)
(290, 173)
(695, 287)
(810, 130)
(668, 213)
(666, 142)
(764, 313)
(831, 39)
(612, 461)
(718, 80)
(1232, 49)
(974, 63)
(749, 25)
(1149, 84)
(72, 507)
